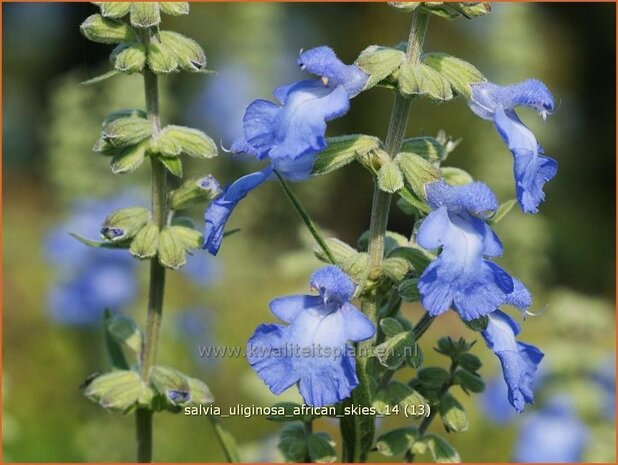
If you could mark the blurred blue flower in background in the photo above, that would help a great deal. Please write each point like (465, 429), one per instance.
(461, 276)
(519, 360)
(605, 376)
(553, 434)
(532, 168)
(494, 402)
(90, 279)
(312, 350)
(194, 329)
(288, 134)
(201, 269)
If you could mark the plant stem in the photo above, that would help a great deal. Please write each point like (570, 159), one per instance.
(157, 272)
(377, 228)
(423, 325)
(225, 440)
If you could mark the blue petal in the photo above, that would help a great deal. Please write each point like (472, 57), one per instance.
(357, 326)
(259, 129)
(430, 235)
(333, 284)
(475, 197)
(532, 170)
(297, 169)
(219, 211)
(520, 297)
(288, 308)
(323, 61)
(487, 97)
(326, 382)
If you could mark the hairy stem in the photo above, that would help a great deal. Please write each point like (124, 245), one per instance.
(157, 272)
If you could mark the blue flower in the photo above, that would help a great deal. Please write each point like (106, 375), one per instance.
(201, 269)
(461, 277)
(494, 402)
(532, 168)
(312, 350)
(519, 360)
(554, 434)
(288, 134)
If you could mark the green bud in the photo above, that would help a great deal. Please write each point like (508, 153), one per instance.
(427, 147)
(456, 176)
(195, 191)
(293, 443)
(458, 73)
(114, 10)
(189, 237)
(350, 260)
(172, 164)
(379, 63)
(321, 448)
(453, 414)
(420, 79)
(478, 324)
(469, 361)
(124, 224)
(126, 131)
(199, 391)
(417, 258)
(390, 178)
(161, 59)
(125, 332)
(188, 53)
(395, 268)
(393, 352)
(104, 148)
(145, 14)
(434, 376)
(469, 381)
(174, 8)
(128, 159)
(408, 290)
(146, 242)
(129, 58)
(406, 397)
(106, 31)
(175, 140)
(119, 391)
(391, 327)
(343, 150)
(171, 249)
(397, 441)
(417, 171)
(441, 450)
(125, 113)
(171, 384)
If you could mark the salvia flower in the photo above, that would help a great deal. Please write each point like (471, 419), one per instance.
(312, 350)
(289, 133)
(532, 168)
(461, 277)
(519, 360)
(554, 434)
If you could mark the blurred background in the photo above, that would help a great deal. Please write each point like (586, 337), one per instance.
(54, 289)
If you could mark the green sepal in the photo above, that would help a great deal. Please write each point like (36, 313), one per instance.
(106, 31)
(469, 361)
(411, 204)
(408, 290)
(128, 159)
(104, 148)
(175, 389)
(293, 443)
(146, 242)
(397, 441)
(503, 209)
(453, 415)
(417, 171)
(176, 140)
(145, 14)
(440, 449)
(161, 59)
(189, 238)
(391, 326)
(458, 73)
(189, 54)
(456, 176)
(469, 381)
(433, 377)
(100, 78)
(125, 223)
(119, 391)
(172, 252)
(416, 257)
(393, 352)
(379, 63)
(195, 191)
(390, 178)
(343, 150)
(427, 147)
(102, 244)
(395, 268)
(113, 346)
(124, 332)
(478, 324)
(351, 261)
(447, 10)
(172, 164)
(174, 8)
(129, 57)
(114, 10)
(420, 79)
(321, 448)
(125, 131)
(392, 241)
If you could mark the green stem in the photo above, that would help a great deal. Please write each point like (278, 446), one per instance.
(306, 218)
(157, 272)
(423, 325)
(225, 440)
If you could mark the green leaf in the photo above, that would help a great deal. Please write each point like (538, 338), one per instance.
(174, 8)
(114, 10)
(128, 159)
(393, 352)
(175, 140)
(101, 244)
(456, 176)
(161, 59)
(172, 252)
(106, 31)
(469, 361)
(453, 414)
(188, 53)
(390, 178)
(172, 164)
(293, 443)
(427, 147)
(343, 150)
(459, 73)
(413, 201)
(420, 79)
(478, 324)
(441, 450)
(146, 242)
(379, 63)
(126, 131)
(113, 346)
(119, 391)
(100, 78)
(397, 441)
(320, 448)
(469, 381)
(129, 58)
(124, 331)
(391, 327)
(145, 14)
(434, 376)
(408, 290)
(502, 211)
(417, 171)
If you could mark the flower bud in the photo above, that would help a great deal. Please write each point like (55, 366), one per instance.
(417, 171)
(125, 223)
(189, 54)
(172, 252)
(145, 14)
(106, 31)
(146, 242)
(195, 191)
(126, 131)
(129, 58)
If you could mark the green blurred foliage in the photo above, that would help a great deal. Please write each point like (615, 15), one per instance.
(565, 254)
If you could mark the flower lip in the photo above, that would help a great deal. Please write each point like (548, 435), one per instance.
(333, 285)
